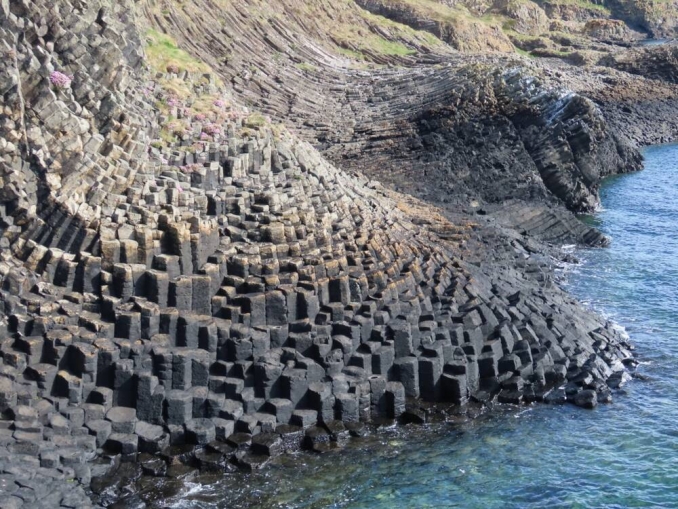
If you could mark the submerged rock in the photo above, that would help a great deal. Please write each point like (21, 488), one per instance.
(586, 399)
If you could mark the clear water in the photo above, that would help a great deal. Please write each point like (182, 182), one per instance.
(620, 455)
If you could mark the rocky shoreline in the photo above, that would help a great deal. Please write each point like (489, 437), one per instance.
(188, 284)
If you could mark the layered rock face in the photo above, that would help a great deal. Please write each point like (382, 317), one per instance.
(635, 90)
(658, 18)
(447, 131)
(64, 144)
(459, 31)
(528, 17)
(232, 288)
(656, 63)
(482, 132)
(606, 29)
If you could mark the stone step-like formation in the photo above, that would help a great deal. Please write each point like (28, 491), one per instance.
(260, 288)
(434, 125)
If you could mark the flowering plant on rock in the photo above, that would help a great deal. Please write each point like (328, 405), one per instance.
(190, 168)
(60, 80)
(211, 129)
(173, 102)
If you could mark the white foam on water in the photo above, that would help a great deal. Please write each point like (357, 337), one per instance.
(522, 412)
(190, 489)
(621, 329)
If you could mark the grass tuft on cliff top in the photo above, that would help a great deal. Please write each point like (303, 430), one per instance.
(162, 52)
(358, 34)
(360, 41)
(436, 11)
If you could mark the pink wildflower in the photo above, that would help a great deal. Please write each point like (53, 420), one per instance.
(200, 117)
(211, 129)
(219, 103)
(190, 168)
(180, 189)
(60, 80)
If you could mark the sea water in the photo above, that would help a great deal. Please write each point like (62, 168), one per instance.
(623, 454)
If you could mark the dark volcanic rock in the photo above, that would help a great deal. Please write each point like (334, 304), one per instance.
(586, 398)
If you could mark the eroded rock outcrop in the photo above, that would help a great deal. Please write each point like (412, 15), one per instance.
(528, 17)
(438, 127)
(639, 105)
(607, 29)
(454, 27)
(659, 19)
(654, 62)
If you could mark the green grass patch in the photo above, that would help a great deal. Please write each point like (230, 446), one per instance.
(355, 55)
(392, 48)
(371, 44)
(520, 37)
(162, 53)
(305, 66)
(255, 120)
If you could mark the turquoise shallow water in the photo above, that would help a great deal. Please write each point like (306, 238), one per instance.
(620, 455)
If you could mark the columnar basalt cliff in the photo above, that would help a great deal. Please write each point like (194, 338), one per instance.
(447, 131)
(179, 269)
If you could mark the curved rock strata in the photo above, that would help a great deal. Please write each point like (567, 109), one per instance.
(443, 129)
